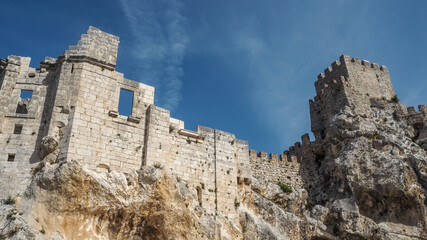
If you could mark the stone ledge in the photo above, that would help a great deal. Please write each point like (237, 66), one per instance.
(189, 133)
(19, 115)
(113, 113)
(82, 58)
(121, 120)
(133, 119)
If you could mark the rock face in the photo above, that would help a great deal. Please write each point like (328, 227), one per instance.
(67, 201)
(373, 175)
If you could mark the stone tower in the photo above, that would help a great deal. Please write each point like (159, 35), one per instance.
(351, 83)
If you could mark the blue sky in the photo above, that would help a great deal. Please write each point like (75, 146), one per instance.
(244, 66)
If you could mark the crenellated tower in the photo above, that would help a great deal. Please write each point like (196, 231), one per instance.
(350, 83)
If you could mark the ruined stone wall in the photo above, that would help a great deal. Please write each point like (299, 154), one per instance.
(209, 160)
(75, 101)
(97, 47)
(19, 151)
(99, 135)
(87, 102)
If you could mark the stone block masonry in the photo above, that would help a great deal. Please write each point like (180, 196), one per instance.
(74, 108)
(68, 109)
(296, 167)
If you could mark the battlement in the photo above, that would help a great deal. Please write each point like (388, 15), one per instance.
(417, 118)
(349, 68)
(293, 155)
(350, 82)
(287, 167)
(421, 109)
(97, 47)
(263, 155)
(341, 67)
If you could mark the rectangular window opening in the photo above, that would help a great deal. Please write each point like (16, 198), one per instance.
(125, 102)
(11, 157)
(26, 94)
(18, 129)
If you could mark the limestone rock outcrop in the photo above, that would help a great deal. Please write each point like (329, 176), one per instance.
(67, 201)
(373, 175)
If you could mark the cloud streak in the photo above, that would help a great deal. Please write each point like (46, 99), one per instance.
(278, 69)
(160, 40)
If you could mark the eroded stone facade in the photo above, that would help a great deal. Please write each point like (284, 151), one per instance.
(73, 114)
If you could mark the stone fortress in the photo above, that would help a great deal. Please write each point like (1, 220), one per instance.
(68, 109)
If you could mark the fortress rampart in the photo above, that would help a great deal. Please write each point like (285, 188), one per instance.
(68, 109)
(295, 167)
(72, 112)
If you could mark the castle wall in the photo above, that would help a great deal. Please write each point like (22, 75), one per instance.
(24, 146)
(100, 137)
(274, 170)
(209, 160)
(296, 167)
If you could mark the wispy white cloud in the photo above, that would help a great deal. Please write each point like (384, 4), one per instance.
(273, 77)
(278, 69)
(160, 40)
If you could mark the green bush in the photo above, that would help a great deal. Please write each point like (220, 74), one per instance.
(39, 167)
(395, 99)
(9, 201)
(236, 203)
(285, 188)
(309, 205)
(138, 148)
(10, 216)
(158, 166)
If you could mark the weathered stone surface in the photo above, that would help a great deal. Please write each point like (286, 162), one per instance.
(48, 145)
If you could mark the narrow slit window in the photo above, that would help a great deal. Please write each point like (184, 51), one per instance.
(26, 94)
(17, 129)
(11, 157)
(125, 102)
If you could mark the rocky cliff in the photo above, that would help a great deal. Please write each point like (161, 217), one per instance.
(372, 174)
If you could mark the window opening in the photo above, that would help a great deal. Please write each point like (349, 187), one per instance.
(72, 68)
(22, 106)
(11, 157)
(18, 129)
(125, 102)
(26, 94)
